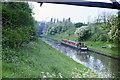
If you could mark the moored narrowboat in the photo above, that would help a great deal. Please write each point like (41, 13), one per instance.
(75, 44)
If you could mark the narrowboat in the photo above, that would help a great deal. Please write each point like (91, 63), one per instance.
(75, 44)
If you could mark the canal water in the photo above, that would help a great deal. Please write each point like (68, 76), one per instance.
(108, 67)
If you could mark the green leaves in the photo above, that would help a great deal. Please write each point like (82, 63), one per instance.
(82, 33)
(18, 29)
(99, 32)
(114, 33)
(18, 24)
(59, 27)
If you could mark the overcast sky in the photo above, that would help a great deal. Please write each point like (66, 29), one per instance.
(60, 11)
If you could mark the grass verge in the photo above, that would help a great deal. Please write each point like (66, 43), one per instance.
(39, 60)
(97, 46)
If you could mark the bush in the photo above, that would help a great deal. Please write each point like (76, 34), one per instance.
(82, 33)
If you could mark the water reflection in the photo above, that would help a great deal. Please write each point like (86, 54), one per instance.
(99, 63)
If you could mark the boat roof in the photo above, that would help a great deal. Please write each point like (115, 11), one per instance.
(70, 40)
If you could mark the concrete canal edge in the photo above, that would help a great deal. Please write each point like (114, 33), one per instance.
(108, 55)
(104, 54)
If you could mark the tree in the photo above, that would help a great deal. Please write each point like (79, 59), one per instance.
(82, 33)
(59, 27)
(69, 19)
(89, 18)
(51, 20)
(105, 16)
(18, 24)
(114, 33)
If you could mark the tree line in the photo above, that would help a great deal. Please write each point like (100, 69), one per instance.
(106, 30)
(59, 27)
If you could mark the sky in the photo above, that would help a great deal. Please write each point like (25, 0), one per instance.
(60, 11)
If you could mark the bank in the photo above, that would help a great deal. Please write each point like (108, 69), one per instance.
(107, 50)
(39, 60)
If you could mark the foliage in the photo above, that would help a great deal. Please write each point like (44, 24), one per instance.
(18, 24)
(82, 33)
(114, 33)
(59, 27)
(18, 29)
(99, 32)
(69, 34)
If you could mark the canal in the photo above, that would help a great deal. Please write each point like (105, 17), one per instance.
(106, 66)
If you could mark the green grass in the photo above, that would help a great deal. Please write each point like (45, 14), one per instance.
(97, 46)
(39, 60)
